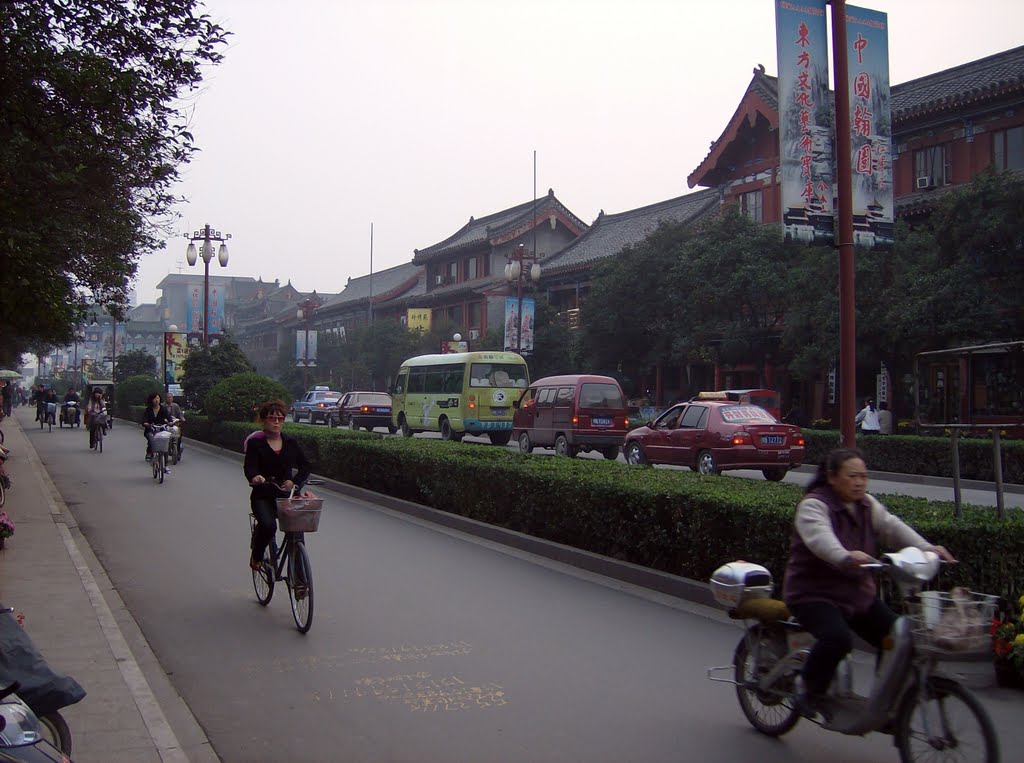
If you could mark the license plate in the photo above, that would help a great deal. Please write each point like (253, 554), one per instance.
(499, 411)
(602, 422)
(382, 410)
(772, 439)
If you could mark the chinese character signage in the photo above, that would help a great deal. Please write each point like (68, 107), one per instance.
(305, 347)
(513, 325)
(176, 349)
(216, 310)
(451, 345)
(418, 318)
(805, 121)
(194, 309)
(867, 49)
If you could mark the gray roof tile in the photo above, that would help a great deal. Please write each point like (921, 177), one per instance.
(384, 281)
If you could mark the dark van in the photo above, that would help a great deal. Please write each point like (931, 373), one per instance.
(581, 412)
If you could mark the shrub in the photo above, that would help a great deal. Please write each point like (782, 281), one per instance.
(238, 397)
(133, 391)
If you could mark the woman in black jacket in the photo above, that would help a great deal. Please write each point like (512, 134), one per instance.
(274, 458)
(156, 415)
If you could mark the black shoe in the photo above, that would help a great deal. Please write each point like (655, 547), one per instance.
(149, 456)
(810, 704)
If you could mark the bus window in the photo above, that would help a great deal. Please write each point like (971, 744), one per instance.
(418, 381)
(498, 375)
(452, 382)
(400, 383)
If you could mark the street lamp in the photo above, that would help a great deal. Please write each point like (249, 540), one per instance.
(305, 312)
(207, 235)
(515, 270)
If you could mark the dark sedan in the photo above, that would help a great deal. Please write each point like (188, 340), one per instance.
(710, 436)
(363, 409)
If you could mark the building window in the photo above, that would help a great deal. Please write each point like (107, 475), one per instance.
(750, 205)
(1008, 148)
(453, 272)
(932, 167)
(469, 268)
(475, 313)
(455, 315)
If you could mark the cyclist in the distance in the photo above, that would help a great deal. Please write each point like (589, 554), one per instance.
(271, 460)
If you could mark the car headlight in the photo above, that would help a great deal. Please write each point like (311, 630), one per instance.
(18, 725)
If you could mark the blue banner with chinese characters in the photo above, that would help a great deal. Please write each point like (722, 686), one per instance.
(867, 50)
(807, 162)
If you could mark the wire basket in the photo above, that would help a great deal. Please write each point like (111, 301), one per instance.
(299, 515)
(161, 442)
(954, 623)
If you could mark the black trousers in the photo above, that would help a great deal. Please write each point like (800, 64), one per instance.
(834, 634)
(265, 511)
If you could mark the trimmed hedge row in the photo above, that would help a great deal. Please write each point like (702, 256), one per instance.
(675, 521)
(932, 456)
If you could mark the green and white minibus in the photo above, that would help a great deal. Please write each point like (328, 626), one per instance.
(459, 393)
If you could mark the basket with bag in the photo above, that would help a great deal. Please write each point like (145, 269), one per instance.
(299, 513)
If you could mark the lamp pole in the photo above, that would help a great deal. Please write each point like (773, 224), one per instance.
(514, 272)
(305, 313)
(207, 235)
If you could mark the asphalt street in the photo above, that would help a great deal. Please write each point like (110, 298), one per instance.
(428, 644)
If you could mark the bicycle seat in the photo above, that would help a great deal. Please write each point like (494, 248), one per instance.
(765, 610)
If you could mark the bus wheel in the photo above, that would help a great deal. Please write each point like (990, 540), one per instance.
(406, 429)
(500, 438)
(446, 430)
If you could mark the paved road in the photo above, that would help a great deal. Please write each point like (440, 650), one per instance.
(428, 644)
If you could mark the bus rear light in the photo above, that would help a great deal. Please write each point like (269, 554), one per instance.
(742, 438)
(472, 405)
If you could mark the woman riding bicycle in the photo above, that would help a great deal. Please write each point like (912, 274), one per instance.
(271, 460)
(95, 414)
(156, 415)
(837, 528)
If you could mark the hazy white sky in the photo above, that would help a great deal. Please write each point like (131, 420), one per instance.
(327, 115)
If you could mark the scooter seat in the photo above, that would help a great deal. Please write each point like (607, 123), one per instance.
(765, 610)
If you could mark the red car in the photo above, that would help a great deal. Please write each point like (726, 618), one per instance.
(710, 436)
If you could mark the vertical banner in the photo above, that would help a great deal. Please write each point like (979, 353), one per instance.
(194, 309)
(176, 349)
(216, 310)
(867, 49)
(529, 309)
(301, 348)
(511, 324)
(514, 323)
(805, 121)
(418, 318)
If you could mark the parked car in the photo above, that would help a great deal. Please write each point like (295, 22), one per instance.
(363, 409)
(580, 412)
(315, 405)
(712, 435)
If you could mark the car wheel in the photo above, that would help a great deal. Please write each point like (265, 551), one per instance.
(563, 448)
(353, 425)
(706, 463)
(611, 452)
(775, 474)
(635, 454)
(295, 418)
(406, 429)
(392, 429)
(330, 422)
(525, 446)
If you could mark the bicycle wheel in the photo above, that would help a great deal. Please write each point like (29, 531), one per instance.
(263, 580)
(99, 439)
(162, 457)
(300, 586)
(3, 494)
(154, 461)
(944, 721)
(772, 711)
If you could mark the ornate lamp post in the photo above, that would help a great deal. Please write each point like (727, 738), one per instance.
(207, 235)
(305, 312)
(515, 270)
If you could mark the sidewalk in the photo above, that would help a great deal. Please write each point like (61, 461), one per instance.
(77, 620)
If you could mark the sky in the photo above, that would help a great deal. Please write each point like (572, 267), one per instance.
(327, 116)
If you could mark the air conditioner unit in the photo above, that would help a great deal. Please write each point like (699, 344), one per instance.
(474, 334)
(438, 280)
(924, 182)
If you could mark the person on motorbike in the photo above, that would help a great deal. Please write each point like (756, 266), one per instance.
(271, 460)
(69, 397)
(156, 415)
(838, 527)
(95, 412)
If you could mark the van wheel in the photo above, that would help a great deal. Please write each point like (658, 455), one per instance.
(500, 438)
(706, 463)
(406, 429)
(525, 446)
(563, 448)
(611, 452)
(774, 475)
(447, 433)
(635, 454)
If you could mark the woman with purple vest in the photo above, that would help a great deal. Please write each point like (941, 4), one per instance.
(837, 528)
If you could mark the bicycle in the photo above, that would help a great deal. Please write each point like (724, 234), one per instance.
(48, 417)
(296, 515)
(98, 429)
(160, 447)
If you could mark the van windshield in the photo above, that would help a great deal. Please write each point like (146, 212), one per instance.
(497, 375)
(601, 396)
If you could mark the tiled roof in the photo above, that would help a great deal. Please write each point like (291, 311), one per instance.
(385, 285)
(610, 234)
(190, 278)
(951, 88)
(480, 231)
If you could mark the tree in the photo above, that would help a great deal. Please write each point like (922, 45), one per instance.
(93, 129)
(238, 398)
(204, 367)
(134, 363)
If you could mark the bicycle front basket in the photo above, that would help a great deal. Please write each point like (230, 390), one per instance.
(299, 515)
(954, 624)
(162, 442)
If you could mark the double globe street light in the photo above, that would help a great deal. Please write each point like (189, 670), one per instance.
(207, 235)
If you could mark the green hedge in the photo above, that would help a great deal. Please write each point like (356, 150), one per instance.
(932, 456)
(676, 521)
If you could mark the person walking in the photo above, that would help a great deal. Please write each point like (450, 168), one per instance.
(868, 418)
(884, 418)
